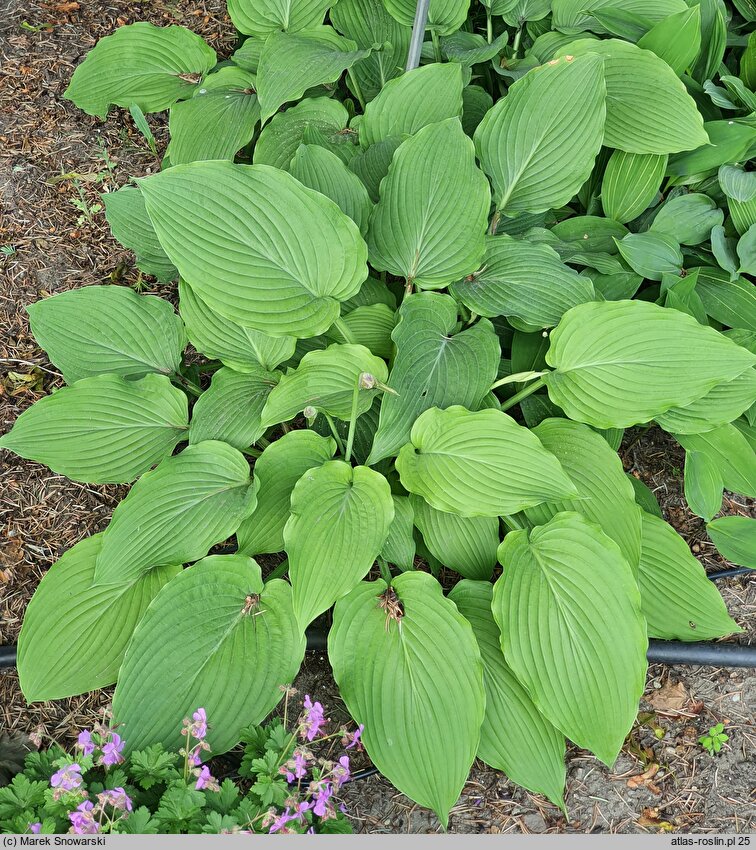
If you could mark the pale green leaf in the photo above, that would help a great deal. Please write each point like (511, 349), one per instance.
(651, 254)
(572, 630)
(631, 182)
(703, 484)
(75, 634)
(747, 251)
(340, 519)
(372, 165)
(720, 405)
(731, 302)
(735, 538)
(227, 644)
(415, 681)
(371, 326)
(730, 453)
(574, 16)
(444, 16)
(688, 219)
(399, 548)
(728, 141)
(103, 429)
(676, 38)
(261, 17)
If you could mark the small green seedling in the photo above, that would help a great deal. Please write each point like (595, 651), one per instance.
(712, 742)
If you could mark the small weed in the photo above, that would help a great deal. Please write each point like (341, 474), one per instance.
(713, 740)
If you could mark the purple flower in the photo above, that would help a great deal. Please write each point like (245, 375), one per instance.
(85, 743)
(341, 771)
(82, 820)
(117, 798)
(67, 778)
(295, 768)
(322, 798)
(205, 779)
(111, 752)
(198, 729)
(194, 757)
(313, 720)
(35, 827)
(354, 738)
(280, 822)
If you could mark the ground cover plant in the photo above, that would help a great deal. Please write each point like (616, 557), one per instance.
(558, 229)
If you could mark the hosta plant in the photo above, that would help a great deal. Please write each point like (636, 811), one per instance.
(426, 304)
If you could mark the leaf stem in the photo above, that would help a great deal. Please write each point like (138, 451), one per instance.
(385, 571)
(489, 25)
(356, 89)
(342, 327)
(516, 42)
(352, 420)
(279, 571)
(495, 219)
(336, 435)
(512, 523)
(518, 397)
(437, 55)
(188, 385)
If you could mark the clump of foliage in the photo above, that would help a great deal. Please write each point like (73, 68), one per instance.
(714, 738)
(282, 787)
(427, 311)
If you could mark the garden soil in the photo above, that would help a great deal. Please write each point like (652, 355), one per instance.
(54, 164)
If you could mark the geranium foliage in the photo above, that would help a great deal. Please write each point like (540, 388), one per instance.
(426, 304)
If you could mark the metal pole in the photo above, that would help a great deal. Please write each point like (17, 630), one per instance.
(418, 34)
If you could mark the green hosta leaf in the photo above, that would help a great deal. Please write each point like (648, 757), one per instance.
(399, 548)
(325, 380)
(231, 409)
(421, 708)
(465, 544)
(723, 248)
(405, 105)
(368, 23)
(444, 201)
(372, 165)
(703, 484)
(730, 453)
(584, 673)
(103, 429)
(479, 464)
(444, 16)
(648, 109)
(471, 49)
(75, 634)
(740, 187)
(150, 66)
(340, 519)
(476, 101)
(651, 254)
(515, 736)
(243, 349)
(728, 142)
(522, 280)
(719, 406)
(108, 329)
(261, 17)
(677, 600)
(644, 496)
(176, 512)
(370, 326)
(131, 226)
(731, 302)
(433, 367)
(218, 121)
(538, 144)
(291, 63)
(277, 470)
(688, 219)
(227, 643)
(574, 16)
(600, 380)
(266, 252)
(372, 292)
(735, 538)
(280, 138)
(321, 170)
(631, 182)
(604, 495)
(247, 56)
(747, 251)
(676, 39)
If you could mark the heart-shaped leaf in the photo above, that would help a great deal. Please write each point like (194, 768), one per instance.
(261, 17)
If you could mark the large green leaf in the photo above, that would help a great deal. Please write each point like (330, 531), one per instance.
(703, 484)
(728, 451)
(572, 630)
(75, 634)
(340, 518)
(368, 23)
(651, 255)
(719, 406)
(515, 736)
(140, 64)
(108, 329)
(619, 363)
(444, 16)
(433, 367)
(733, 303)
(265, 252)
(479, 464)
(688, 218)
(728, 141)
(523, 280)
(372, 165)
(277, 470)
(399, 548)
(103, 429)
(371, 326)
(574, 16)
(648, 109)
(465, 544)
(131, 226)
(538, 144)
(676, 38)
(231, 409)
(677, 599)
(218, 121)
(319, 169)
(325, 380)
(631, 182)
(227, 643)
(216, 336)
(605, 496)
(261, 17)
(405, 105)
(735, 538)
(430, 221)
(291, 63)
(415, 681)
(176, 512)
